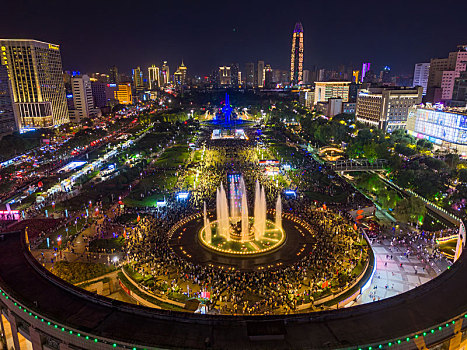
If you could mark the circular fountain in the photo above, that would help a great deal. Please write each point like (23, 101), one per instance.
(234, 232)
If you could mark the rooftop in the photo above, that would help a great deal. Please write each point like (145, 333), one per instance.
(434, 303)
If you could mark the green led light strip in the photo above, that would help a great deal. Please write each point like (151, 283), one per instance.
(56, 326)
(388, 345)
(115, 345)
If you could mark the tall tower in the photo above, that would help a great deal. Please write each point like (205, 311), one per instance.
(113, 75)
(82, 98)
(154, 77)
(260, 82)
(165, 73)
(36, 77)
(296, 59)
(138, 81)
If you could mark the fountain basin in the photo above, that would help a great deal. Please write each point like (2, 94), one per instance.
(272, 239)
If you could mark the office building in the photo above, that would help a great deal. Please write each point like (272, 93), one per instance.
(121, 93)
(114, 77)
(305, 97)
(459, 94)
(445, 127)
(235, 75)
(225, 77)
(349, 107)
(83, 101)
(334, 107)
(443, 73)
(180, 75)
(296, 57)
(355, 76)
(165, 73)
(325, 90)
(386, 108)
(268, 82)
(260, 75)
(138, 81)
(385, 76)
(420, 76)
(154, 77)
(250, 75)
(306, 76)
(366, 67)
(98, 90)
(7, 115)
(36, 78)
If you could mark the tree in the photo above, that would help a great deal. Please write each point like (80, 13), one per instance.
(411, 209)
(462, 175)
(424, 144)
(370, 151)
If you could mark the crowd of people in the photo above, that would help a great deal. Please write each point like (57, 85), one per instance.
(328, 269)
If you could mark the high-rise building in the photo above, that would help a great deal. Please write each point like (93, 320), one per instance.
(250, 74)
(82, 98)
(268, 83)
(459, 94)
(324, 90)
(365, 69)
(154, 77)
(99, 96)
(306, 76)
(36, 77)
(420, 76)
(114, 77)
(165, 73)
(355, 76)
(260, 75)
(386, 108)
(385, 75)
(138, 81)
(225, 77)
(305, 97)
(296, 57)
(443, 73)
(180, 75)
(7, 115)
(234, 72)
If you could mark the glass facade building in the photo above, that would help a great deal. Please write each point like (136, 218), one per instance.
(443, 127)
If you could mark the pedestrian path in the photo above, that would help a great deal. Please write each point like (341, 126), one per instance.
(395, 273)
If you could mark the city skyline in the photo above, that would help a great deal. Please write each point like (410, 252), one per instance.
(205, 40)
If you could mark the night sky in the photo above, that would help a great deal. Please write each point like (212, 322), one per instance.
(96, 34)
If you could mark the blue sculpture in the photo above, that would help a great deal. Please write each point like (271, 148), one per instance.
(227, 110)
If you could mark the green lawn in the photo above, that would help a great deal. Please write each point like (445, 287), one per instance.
(173, 157)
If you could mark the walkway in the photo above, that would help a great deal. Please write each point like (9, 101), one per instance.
(396, 273)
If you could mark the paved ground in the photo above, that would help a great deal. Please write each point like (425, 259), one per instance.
(398, 274)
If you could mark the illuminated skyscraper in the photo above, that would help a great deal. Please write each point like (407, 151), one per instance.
(82, 99)
(296, 59)
(225, 77)
(250, 74)
(138, 81)
(154, 77)
(165, 74)
(365, 68)
(356, 76)
(180, 75)
(260, 75)
(36, 76)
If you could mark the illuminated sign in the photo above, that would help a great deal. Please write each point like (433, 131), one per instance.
(54, 47)
(9, 215)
